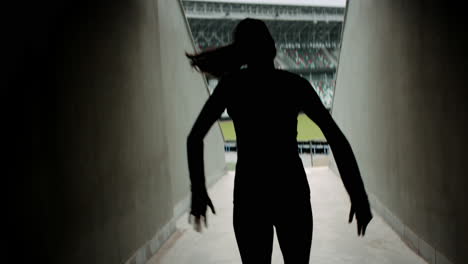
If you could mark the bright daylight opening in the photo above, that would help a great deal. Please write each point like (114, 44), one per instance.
(308, 38)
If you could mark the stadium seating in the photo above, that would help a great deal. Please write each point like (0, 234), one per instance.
(309, 58)
(324, 89)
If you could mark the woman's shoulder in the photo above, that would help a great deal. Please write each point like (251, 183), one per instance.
(277, 74)
(232, 75)
(290, 76)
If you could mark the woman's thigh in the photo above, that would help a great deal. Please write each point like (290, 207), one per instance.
(293, 227)
(254, 234)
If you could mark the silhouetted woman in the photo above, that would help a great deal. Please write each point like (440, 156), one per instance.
(271, 188)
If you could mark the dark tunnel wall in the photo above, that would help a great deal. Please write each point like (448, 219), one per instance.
(90, 131)
(401, 100)
(184, 92)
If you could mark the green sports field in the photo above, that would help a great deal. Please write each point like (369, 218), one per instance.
(306, 129)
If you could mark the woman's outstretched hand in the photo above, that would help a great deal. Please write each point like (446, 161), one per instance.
(200, 203)
(363, 216)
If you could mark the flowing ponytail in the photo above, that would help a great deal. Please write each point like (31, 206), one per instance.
(252, 43)
(216, 62)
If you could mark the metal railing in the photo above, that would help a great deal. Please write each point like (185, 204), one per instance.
(312, 147)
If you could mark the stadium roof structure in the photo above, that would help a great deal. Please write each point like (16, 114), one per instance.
(323, 3)
(292, 26)
(205, 9)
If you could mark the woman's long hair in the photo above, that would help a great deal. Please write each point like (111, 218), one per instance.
(253, 43)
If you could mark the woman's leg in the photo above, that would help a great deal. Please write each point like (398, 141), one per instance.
(254, 234)
(294, 226)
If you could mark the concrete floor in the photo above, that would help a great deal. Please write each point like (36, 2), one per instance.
(334, 240)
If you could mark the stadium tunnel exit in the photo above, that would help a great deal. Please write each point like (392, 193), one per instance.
(100, 98)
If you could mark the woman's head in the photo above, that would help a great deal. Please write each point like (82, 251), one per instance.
(253, 44)
(254, 41)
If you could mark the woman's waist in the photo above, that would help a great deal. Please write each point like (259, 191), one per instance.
(269, 159)
(269, 173)
(268, 144)
(270, 189)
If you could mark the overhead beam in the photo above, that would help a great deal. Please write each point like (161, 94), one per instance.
(281, 17)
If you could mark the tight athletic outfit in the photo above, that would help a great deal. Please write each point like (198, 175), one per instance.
(271, 191)
(271, 188)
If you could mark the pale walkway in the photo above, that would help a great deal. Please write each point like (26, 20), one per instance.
(334, 240)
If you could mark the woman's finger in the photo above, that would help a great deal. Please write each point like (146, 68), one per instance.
(366, 224)
(210, 204)
(197, 225)
(351, 214)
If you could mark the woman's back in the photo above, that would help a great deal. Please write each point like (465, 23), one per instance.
(264, 106)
